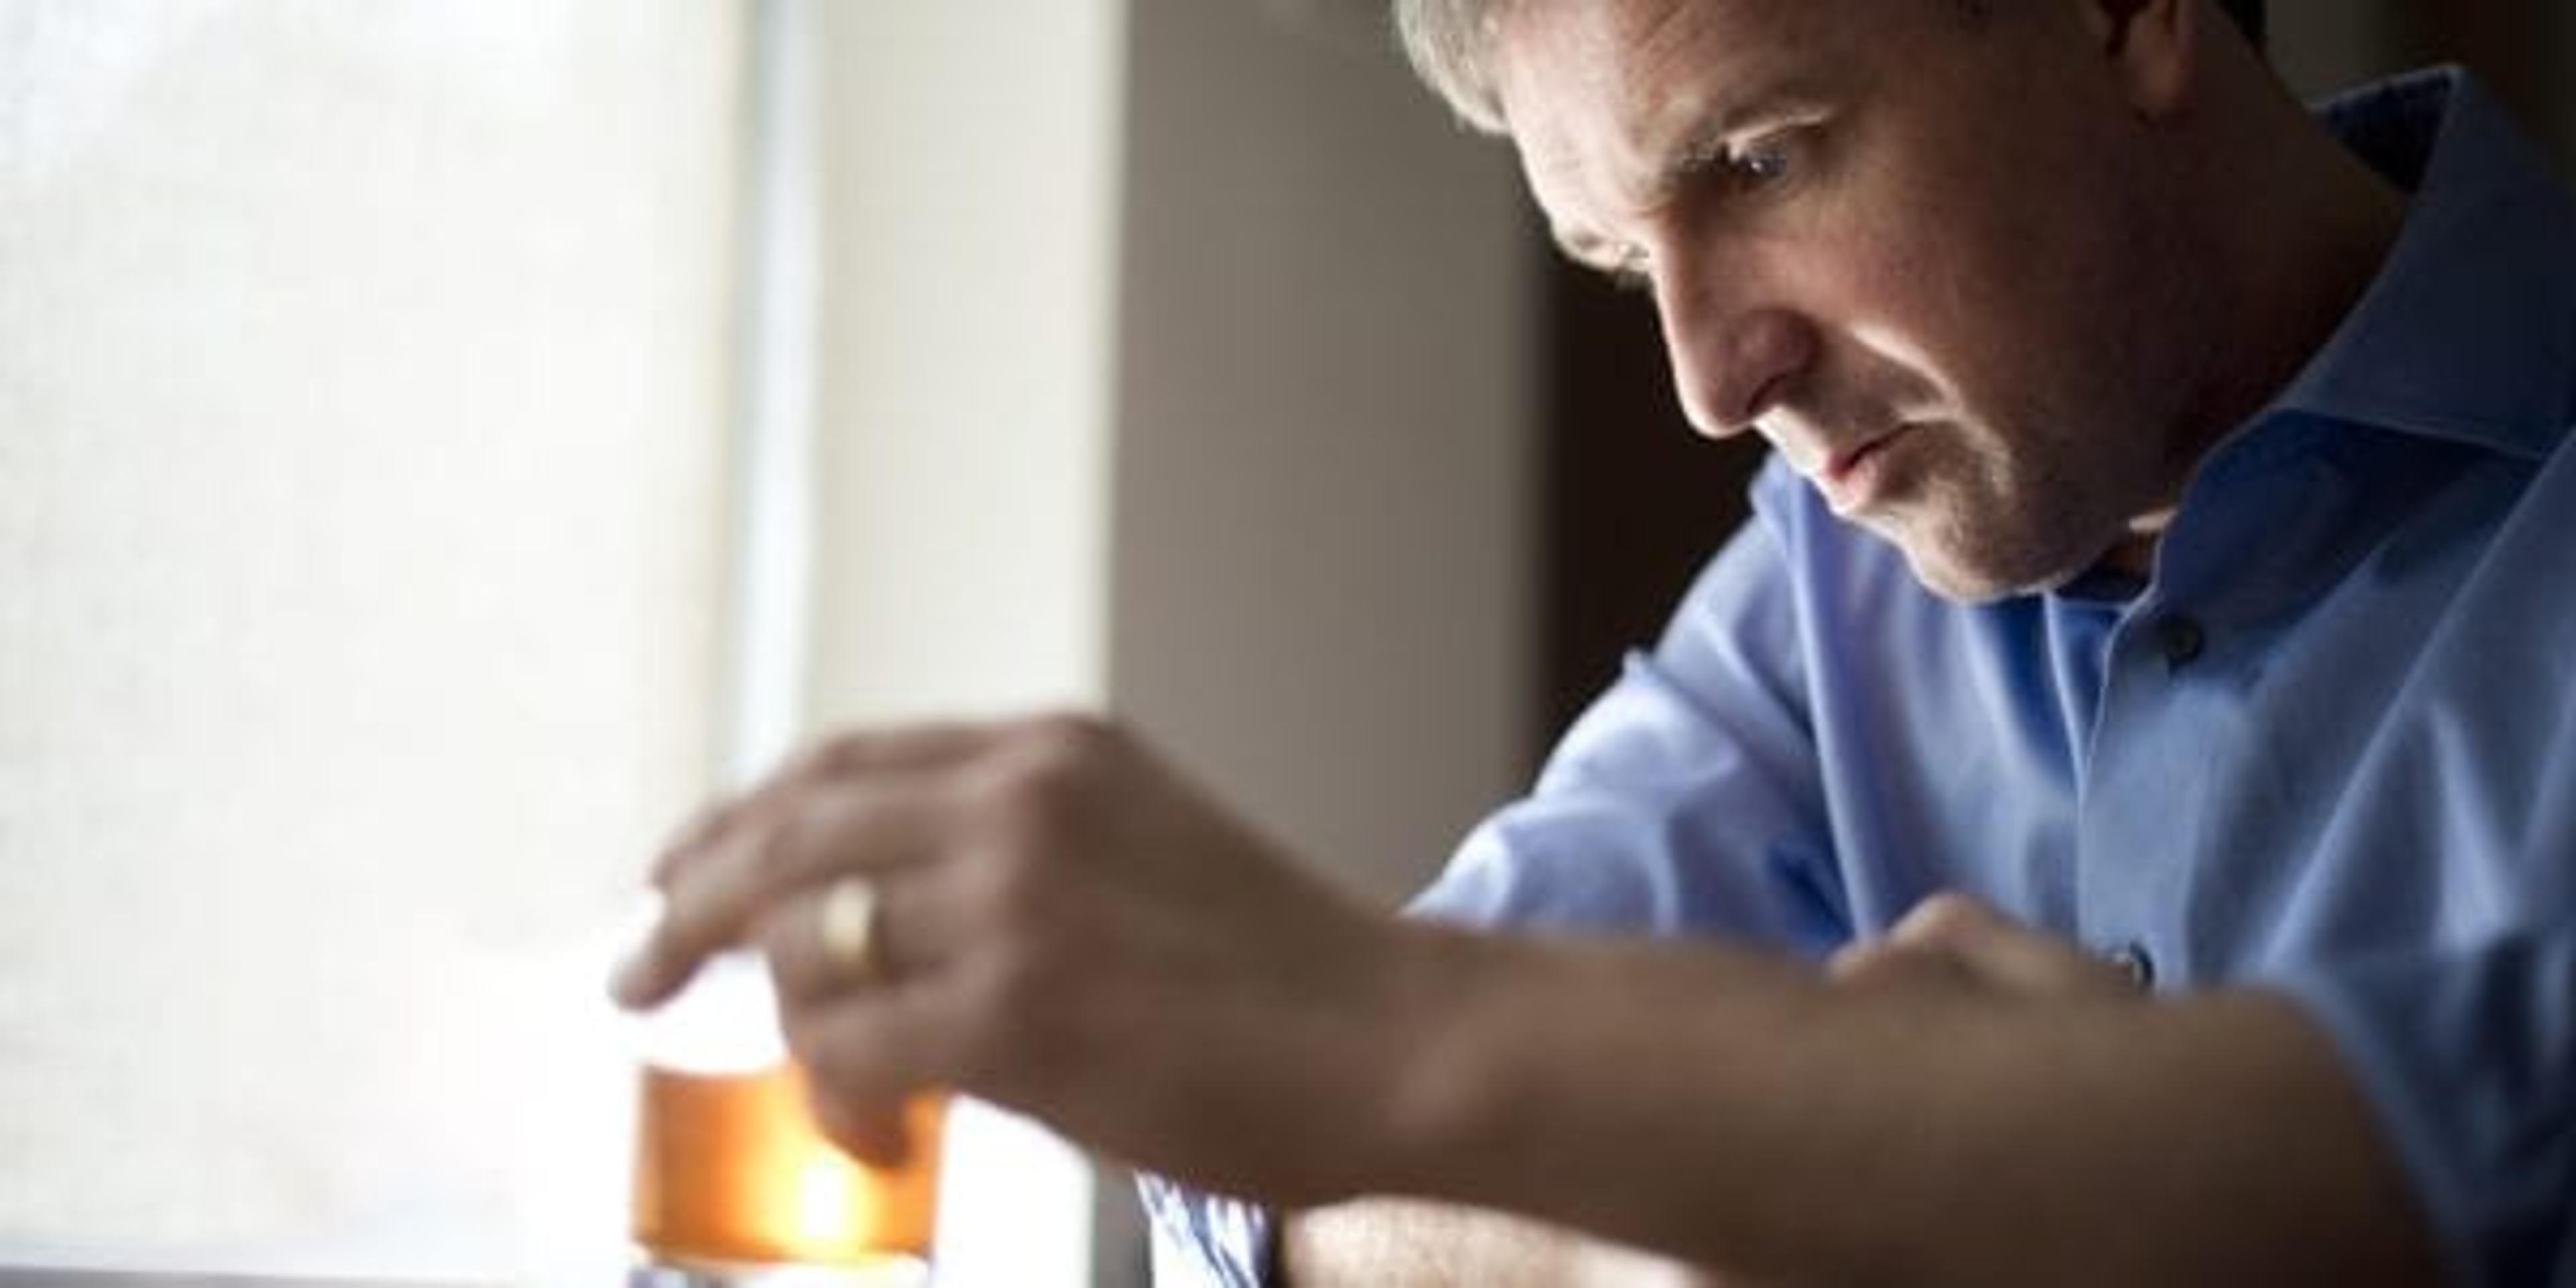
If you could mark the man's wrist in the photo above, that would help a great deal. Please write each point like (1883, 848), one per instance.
(1437, 1088)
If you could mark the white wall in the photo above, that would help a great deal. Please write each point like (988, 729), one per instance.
(362, 376)
(969, 212)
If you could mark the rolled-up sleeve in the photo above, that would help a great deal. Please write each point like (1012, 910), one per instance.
(2459, 1028)
(2469, 1057)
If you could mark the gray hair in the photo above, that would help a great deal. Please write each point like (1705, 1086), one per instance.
(1450, 43)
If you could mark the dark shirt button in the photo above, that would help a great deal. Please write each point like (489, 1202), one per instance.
(2181, 640)
(2133, 961)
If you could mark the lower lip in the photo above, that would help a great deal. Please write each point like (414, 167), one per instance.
(1858, 483)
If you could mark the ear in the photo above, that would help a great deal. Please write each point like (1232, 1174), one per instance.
(2149, 47)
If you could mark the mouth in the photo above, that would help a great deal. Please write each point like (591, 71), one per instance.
(1850, 478)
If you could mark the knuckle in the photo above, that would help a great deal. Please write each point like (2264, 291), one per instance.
(1067, 748)
(1082, 734)
(774, 851)
(1039, 791)
(1856, 959)
(824, 757)
(765, 849)
(1941, 918)
(1009, 900)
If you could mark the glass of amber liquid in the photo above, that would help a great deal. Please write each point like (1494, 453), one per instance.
(735, 1185)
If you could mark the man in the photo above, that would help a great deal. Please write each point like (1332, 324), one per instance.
(2110, 819)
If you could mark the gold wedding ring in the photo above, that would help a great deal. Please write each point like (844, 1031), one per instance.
(848, 928)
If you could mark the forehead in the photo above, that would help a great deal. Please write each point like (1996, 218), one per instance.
(1656, 34)
(1611, 84)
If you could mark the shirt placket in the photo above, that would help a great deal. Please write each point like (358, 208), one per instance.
(2173, 687)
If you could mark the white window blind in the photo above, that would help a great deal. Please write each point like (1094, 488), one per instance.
(364, 381)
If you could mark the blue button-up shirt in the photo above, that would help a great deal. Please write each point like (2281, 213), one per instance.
(2327, 748)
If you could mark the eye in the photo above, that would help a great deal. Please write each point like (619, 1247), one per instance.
(1763, 162)
(1756, 163)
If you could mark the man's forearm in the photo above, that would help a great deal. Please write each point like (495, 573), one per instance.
(1734, 1110)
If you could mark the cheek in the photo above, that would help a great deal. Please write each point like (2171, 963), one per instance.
(2013, 239)
(2012, 322)
(1928, 275)
(1996, 272)
(1918, 306)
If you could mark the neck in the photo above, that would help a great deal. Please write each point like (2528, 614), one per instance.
(2302, 254)
(2304, 230)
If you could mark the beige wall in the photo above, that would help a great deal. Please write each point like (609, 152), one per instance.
(1324, 549)
(361, 381)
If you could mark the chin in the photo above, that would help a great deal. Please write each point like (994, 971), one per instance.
(1949, 584)
(1980, 549)
(1974, 578)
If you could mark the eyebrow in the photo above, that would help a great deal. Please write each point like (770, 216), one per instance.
(1713, 119)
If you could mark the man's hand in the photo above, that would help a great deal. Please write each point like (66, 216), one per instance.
(1061, 924)
(1953, 940)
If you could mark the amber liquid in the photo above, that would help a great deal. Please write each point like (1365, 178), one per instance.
(730, 1170)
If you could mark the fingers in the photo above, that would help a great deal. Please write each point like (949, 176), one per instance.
(875, 1134)
(964, 834)
(1871, 962)
(1971, 943)
(859, 804)
(867, 1059)
(916, 925)
(851, 755)
(1992, 948)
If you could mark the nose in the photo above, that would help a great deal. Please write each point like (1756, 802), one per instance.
(1732, 361)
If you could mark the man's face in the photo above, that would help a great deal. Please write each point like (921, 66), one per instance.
(1927, 256)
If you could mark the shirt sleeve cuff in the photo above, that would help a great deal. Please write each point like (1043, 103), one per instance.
(1208, 1240)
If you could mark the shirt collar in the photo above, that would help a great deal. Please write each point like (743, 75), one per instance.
(2468, 332)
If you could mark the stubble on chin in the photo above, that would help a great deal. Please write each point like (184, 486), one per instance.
(1972, 549)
